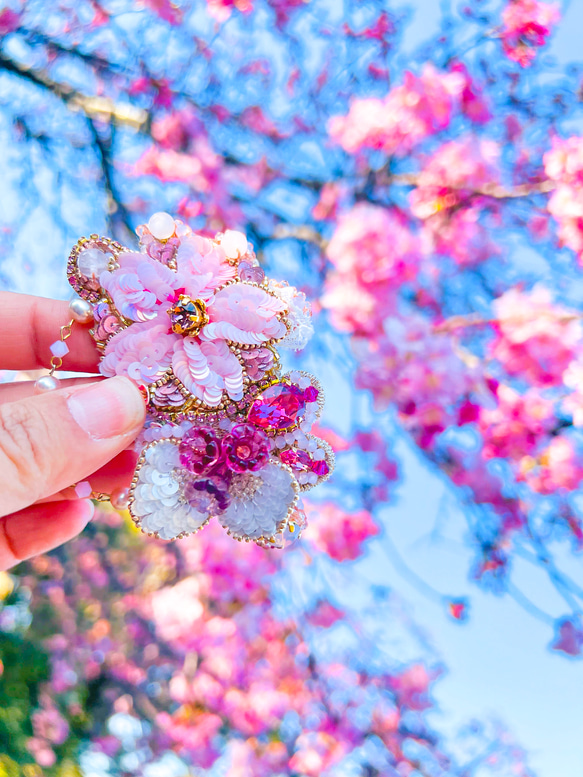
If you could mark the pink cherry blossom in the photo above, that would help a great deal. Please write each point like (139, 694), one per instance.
(325, 615)
(517, 425)
(557, 468)
(569, 637)
(422, 372)
(49, 724)
(221, 10)
(527, 25)
(9, 21)
(339, 534)
(564, 165)
(373, 254)
(316, 753)
(409, 113)
(42, 752)
(444, 199)
(535, 338)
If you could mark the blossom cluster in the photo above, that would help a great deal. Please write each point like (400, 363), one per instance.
(450, 199)
(563, 165)
(187, 645)
(526, 26)
(422, 106)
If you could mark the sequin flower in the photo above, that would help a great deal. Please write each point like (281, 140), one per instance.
(188, 319)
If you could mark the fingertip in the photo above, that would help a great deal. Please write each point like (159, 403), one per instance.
(40, 528)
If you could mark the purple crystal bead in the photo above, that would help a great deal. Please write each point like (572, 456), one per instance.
(208, 495)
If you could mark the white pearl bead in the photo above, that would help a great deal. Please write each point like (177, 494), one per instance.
(81, 311)
(46, 383)
(234, 244)
(161, 225)
(120, 498)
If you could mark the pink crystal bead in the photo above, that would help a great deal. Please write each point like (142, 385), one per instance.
(320, 468)
(246, 448)
(311, 394)
(298, 460)
(200, 450)
(251, 273)
(279, 407)
(59, 349)
(163, 252)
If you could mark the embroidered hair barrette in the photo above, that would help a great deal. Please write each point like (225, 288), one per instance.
(197, 324)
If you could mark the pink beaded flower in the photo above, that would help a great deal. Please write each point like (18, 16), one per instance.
(195, 322)
(187, 319)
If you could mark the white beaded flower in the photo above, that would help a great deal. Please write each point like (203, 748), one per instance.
(157, 495)
(261, 502)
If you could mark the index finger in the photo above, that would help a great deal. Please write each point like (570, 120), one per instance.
(28, 327)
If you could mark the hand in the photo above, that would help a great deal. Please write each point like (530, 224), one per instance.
(51, 441)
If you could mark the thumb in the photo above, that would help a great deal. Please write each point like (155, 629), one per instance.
(50, 441)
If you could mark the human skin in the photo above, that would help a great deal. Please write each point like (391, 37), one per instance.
(51, 441)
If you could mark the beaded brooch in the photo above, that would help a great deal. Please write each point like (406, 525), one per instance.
(195, 322)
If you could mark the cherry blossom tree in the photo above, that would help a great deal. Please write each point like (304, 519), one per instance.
(401, 197)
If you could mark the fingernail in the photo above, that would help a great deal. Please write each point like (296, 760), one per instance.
(86, 511)
(108, 409)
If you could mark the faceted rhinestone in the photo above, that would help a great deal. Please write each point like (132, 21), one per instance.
(311, 394)
(279, 407)
(298, 460)
(92, 262)
(188, 316)
(320, 468)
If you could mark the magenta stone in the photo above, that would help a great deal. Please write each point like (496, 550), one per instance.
(279, 407)
(200, 450)
(320, 468)
(246, 448)
(298, 460)
(311, 394)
